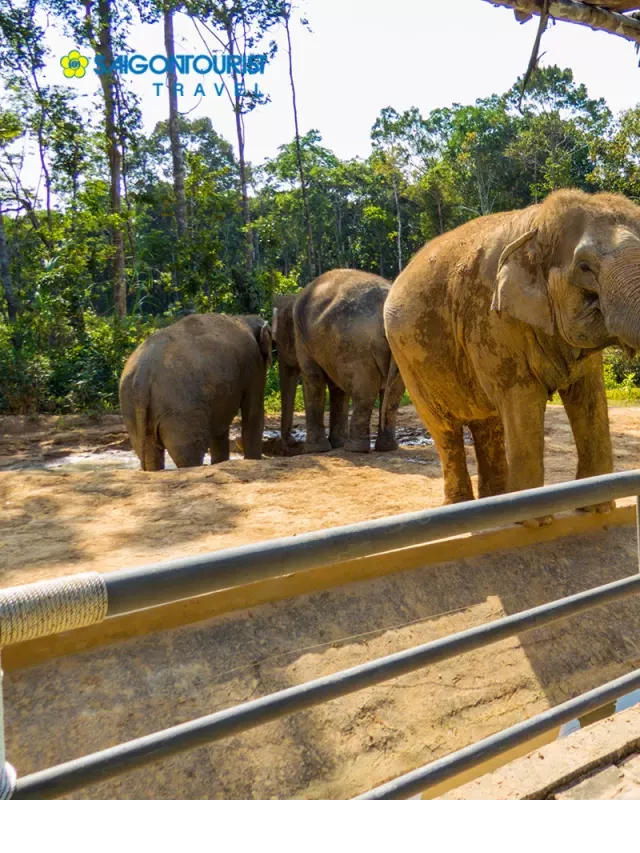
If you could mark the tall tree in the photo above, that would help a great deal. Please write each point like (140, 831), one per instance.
(238, 27)
(386, 138)
(5, 274)
(286, 14)
(177, 156)
(99, 30)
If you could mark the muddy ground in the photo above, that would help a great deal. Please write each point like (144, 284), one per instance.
(104, 516)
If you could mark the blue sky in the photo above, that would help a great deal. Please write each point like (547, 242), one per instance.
(364, 55)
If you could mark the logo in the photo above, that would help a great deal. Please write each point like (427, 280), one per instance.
(216, 65)
(74, 64)
(253, 63)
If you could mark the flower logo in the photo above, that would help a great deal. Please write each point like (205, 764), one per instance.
(74, 64)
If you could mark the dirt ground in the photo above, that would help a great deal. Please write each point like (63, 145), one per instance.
(61, 521)
(65, 520)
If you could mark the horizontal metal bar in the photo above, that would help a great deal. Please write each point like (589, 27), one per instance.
(471, 756)
(147, 586)
(119, 759)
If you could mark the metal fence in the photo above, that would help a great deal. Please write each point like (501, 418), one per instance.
(45, 608)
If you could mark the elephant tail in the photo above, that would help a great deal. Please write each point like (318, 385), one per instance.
(393, 391)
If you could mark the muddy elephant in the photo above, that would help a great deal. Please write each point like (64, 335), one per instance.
(332, 333)
(182, 387)
(490, 319)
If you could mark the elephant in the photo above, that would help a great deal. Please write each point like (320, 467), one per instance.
(332, 333)
(488, 320)
(181, 389)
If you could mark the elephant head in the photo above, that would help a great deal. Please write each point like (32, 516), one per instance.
(263, 335)
(575, 271)
(288, 368)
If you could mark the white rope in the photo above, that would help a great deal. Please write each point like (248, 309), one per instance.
(49, 607)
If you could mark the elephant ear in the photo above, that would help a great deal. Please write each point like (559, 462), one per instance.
(265, 343)
(520, 289)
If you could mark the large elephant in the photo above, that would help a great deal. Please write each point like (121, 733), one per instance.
(182, 387)
(488, 320)
(332, 333)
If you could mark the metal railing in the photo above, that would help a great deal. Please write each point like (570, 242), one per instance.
(134, 589)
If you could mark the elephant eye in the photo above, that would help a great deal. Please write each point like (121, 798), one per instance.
(584, 266)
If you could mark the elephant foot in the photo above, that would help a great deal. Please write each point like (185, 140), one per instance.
(384, 443)
(357, 445)
(533, 523)
(604, 507)
(322, 446)
(458, 498)
(337, 441)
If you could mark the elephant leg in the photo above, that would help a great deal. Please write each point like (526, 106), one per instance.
(390, 399)
(448, 438)
(488, 440)
(152, 456)
(338, 417)
(252, 411)
(288, 385)
(522, 411)
(187, 455)
(586, 405)
(449, 441)
(314, 386)
(359, 440)
(220, 448)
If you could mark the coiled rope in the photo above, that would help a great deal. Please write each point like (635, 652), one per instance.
(49, 607)
(37, 610)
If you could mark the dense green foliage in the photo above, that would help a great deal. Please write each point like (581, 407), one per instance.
(62, 347)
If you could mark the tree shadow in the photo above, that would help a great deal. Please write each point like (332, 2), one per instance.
(55, 520)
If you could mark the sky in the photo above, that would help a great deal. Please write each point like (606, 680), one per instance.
(364, 55)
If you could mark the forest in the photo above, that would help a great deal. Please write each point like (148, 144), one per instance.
(125, 231)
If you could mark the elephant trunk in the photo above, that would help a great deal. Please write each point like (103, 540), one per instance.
(620, 295)
(288, 384)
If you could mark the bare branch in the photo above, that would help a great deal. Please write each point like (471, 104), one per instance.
(533, 61)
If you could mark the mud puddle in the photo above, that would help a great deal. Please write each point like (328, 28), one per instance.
(117, 458)
(109, 460)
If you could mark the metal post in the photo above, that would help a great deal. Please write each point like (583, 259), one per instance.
(7, 773)
(638, 527)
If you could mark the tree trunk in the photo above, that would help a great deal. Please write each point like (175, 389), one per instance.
(246, 217)
(103, 46)
(397, 201)
(5, 275)
(45, 171)
(303, 183)
(174, 126)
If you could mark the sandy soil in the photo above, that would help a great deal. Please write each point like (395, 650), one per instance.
(56, 522)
